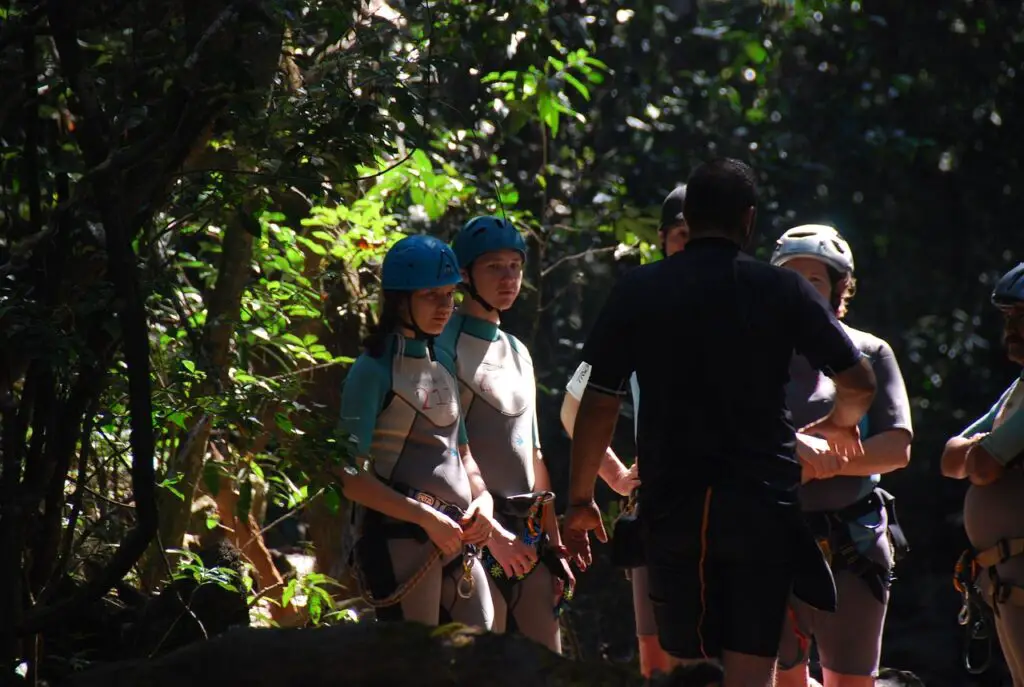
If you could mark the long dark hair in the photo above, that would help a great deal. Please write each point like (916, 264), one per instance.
(390, 320)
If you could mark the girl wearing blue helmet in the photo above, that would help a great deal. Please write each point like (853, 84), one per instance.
(841, 502)
(425, 508)
(989, 452)
(528, 572)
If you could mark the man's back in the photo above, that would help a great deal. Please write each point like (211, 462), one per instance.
(710, 333)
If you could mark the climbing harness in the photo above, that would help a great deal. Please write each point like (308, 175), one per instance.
(374, 526)
(975, 616)
(832, 533)
(981, 606)
(525, 513)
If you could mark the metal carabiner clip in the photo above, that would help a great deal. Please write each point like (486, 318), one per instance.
(964, 616)
(466, 584)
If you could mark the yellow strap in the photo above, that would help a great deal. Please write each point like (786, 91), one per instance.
(1006, 548)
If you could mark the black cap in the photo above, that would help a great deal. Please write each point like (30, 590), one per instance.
(672, 208)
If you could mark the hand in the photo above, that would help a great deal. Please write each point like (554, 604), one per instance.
(477, 524)
(982, 468)
(442, 530)
(576, 528)
(569, 580)
(514, 557)
(625, 482)
(817, 459)
(843, 441)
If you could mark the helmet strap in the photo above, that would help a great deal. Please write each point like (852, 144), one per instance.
(418, 333)
(473, 293)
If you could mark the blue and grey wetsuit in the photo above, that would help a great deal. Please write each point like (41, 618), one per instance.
(403, 409)
(498, 392)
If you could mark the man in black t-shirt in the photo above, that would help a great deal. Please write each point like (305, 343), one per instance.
(710, 333)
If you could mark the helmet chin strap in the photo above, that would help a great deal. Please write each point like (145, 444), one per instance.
(418, 333)
(475, 295)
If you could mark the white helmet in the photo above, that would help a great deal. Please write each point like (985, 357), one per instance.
(817, 241)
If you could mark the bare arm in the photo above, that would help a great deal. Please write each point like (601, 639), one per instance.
(482, 499)
(884, 452)
(612, 470)
(597, 416)
(542, 482)
(855, 390)
(367, 490)
(954, 456)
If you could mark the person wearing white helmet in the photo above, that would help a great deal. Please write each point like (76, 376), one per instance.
(989, 452)
(852, 518)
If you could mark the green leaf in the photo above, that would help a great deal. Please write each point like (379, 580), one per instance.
(188, 365)
(756, 52)
(314, 604)
(578, 85)
(332, 499)
(289, 592)
(548, 113)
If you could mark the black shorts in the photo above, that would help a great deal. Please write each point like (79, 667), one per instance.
(720, 575)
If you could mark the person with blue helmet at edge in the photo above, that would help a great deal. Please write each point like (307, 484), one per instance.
(989, 453)
(848, 513)
(528, 575)
(424, 508)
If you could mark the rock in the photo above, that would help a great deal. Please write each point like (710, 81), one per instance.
(363, 655)
(186, 611)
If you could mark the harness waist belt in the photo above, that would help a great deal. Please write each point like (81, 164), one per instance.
(1002, 551)
(427, 499)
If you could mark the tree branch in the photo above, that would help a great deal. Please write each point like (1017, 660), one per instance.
(92, 128)
(590, 251)
(123, 273)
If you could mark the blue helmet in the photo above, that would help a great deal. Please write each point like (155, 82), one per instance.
(419, 262)
(485, 234)
(1009, 289)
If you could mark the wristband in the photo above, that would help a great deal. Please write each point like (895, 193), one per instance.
(582, 504)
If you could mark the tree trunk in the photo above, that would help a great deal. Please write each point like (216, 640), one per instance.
(223, 311)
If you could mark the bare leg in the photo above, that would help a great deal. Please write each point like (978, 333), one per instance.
(654, 659)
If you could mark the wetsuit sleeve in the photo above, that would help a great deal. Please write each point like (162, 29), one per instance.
(445, 361)
(891, 407)
(985, 422)
(1007, 442)
(362, 398)
(610, 348)
(578, 381)
(819, 336)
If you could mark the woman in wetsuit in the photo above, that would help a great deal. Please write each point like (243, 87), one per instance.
(839, 497)
(524, 557)
(424, 505)
(989, 453)
(673, 234)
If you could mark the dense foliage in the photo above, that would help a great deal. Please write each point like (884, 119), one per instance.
(195, 197)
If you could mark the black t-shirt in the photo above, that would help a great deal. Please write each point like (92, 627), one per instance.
(710, 333)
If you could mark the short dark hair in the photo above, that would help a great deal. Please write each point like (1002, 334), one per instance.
(718, 195)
